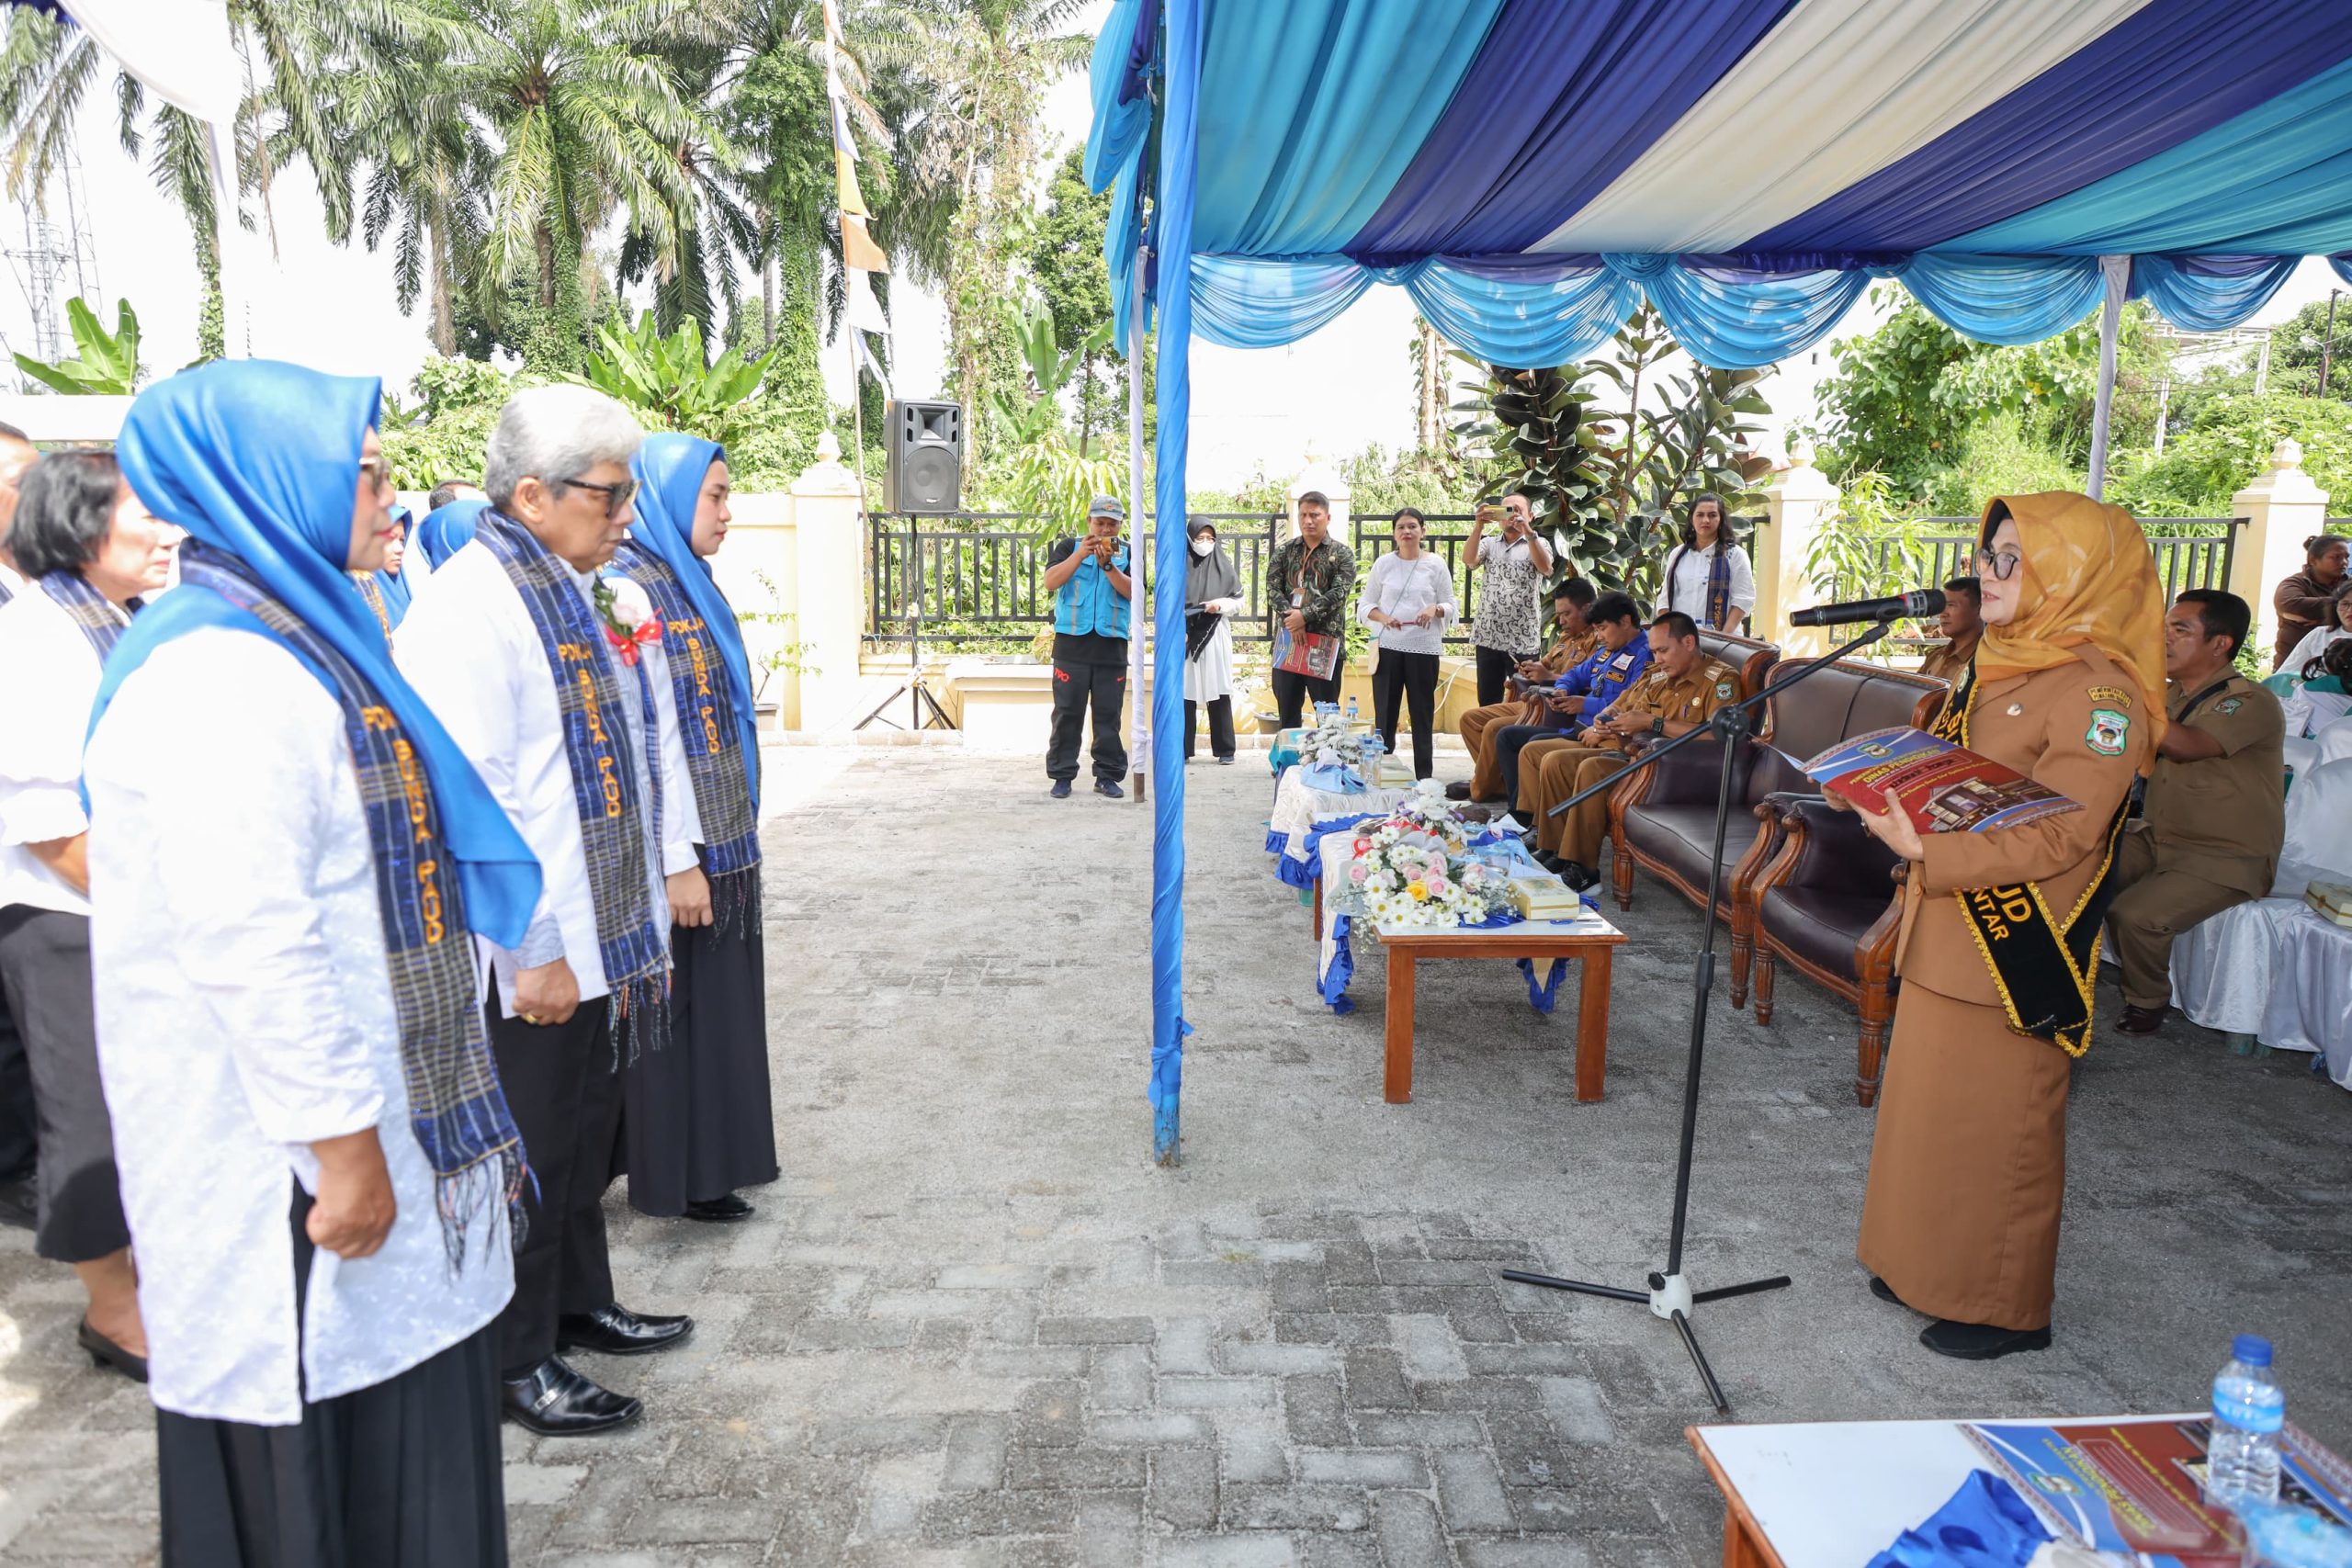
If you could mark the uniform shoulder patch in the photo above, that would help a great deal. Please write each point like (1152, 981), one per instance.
(2114, 694)
(2107, 732)
(2229, 706)
(1724, 688)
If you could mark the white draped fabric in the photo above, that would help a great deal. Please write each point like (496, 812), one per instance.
(2309, 1006)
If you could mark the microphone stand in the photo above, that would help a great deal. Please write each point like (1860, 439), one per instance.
(1669, 1295)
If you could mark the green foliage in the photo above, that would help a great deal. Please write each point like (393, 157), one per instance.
(669, 380)
(1065, 257)
(2229, 443)
(445, 436)
(107, 363)
(1529, 427)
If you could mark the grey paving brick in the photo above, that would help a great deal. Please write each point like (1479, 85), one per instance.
(1316, 1410)
(1094, 1331)
(992, 1277)
(1375, 1381)
(1523, 1554)
(1260, 1358)
(1527, 1451)
(1183, 1490)
(853, 1334)
(1051, 1412)
(1577, 1412)
(1479, 1393)
(1110, 1530)
(1294, 1507)
(1340, 1552)
(1300, 1287)
(1407, 1530)
(1470, 1490)
(1120, 1378)
(876, 1434)
(1082, 1469)
(1251, 1447)
(1428, 1348)
(1419, 1271)
(1217, 1393)
(1230, 1551)
(1306, 1328)
(1149, 1430)
(1000, 1513)
(1183, 1346)
(1522, 1361)
(1361, 1467)
(975, 1450)
(678, 1521)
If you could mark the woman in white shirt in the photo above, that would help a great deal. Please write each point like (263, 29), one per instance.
(1212, 598)
(88, 549)
(288, 858)
(1409, 598)
(1708, 576)
(2315, 641)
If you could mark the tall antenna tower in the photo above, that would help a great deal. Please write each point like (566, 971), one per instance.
(57, 259)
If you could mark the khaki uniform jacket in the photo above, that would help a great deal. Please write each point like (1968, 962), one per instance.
(2078, 728)
(2224, 819)
(1566, 652)
(1691, 697)
(1950, 660)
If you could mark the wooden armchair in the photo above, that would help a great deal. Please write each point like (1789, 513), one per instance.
(1823, 906)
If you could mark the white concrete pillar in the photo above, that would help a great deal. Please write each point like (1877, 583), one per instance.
(1798, 503)
(759, 570)
(830, 587)
(2282, 508)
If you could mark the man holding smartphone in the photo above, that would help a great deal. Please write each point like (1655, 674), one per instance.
(1089, 584)
(1507, 628)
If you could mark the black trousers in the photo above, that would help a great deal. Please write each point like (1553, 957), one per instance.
(1510, 741)
(697, 1119)
(406, 1474)
(1410, 679)
(564, 1087)
(1221, 741)
(1496, 666)
(45, 971)
(1078, 688)
(18, 1140)
(1292, 691)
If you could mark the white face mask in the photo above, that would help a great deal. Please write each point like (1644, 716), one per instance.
(1202, 548)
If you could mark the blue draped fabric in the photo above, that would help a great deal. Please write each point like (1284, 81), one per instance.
(1178, 141)
(1519, 148)
(1739, 320)
(2206, 294)
(1114, 150)
(2005, 299)
(2276, 180)
(2165, 75)
(1252, 302)
(669, 471)
(1319, 105)
(2341, 265)
(1537, 310)
(259, 458)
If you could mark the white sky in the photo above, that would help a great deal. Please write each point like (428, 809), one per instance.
(1333, 393)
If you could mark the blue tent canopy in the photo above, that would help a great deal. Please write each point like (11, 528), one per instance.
(1529, 170)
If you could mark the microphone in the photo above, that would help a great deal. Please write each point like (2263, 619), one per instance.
(1917, 604)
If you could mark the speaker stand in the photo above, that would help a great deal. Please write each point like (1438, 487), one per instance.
(923, 711)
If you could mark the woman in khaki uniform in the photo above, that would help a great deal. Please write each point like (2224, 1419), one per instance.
(1999, 945)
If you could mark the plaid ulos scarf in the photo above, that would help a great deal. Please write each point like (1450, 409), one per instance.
(454, 1105)
(88, 608)
(714, 744)
(365, 582)
(620, 806)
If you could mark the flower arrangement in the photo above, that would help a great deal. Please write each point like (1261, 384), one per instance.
(1330, 744)
(628, 613)
(1414, 869)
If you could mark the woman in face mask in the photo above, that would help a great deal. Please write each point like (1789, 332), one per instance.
(1212, 595)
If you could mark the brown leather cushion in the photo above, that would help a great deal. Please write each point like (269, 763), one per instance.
(1818, 925)
(1679, 839)
(1847, 699)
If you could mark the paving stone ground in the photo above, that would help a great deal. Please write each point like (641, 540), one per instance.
(974, 1324)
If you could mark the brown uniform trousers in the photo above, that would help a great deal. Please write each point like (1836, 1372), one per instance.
(1968, 1168)
(1479, 724)
(2209, 835)
(1550, 771)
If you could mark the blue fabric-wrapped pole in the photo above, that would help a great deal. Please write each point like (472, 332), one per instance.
(1180, 133)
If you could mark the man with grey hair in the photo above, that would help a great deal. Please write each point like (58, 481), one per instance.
(1089, 580)
(538, 667)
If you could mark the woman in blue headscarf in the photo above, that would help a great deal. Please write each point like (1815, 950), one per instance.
(287, 855)
(698, 1123)
(446, 529)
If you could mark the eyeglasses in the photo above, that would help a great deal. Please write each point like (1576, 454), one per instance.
(372, 470)
(2001, 567)
(616, 494)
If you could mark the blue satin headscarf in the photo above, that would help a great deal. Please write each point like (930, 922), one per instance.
(393, 585)
(446, 529)
(669, 471)
(259, 458)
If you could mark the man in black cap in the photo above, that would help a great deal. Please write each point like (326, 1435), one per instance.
(1089, 584)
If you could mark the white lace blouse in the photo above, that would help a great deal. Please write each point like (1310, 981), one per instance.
(244, 1011)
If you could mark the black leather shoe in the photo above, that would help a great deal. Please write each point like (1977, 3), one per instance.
(1883, 1291)
(1980, 1341)
(615, 1331)
(1576, 875)
(105, 1353)
(724, 1211)
(1060, 790)
(1109, 789)
(1458, 790)
(19, 1203)
(2139, 1019)
(556, 1402)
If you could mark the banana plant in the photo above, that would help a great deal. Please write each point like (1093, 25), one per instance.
(1025, 422)
(107, 363)
(670, 379)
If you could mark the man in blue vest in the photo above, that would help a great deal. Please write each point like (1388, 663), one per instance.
(1088, 579)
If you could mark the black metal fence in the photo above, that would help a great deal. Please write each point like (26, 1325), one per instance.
(2184, 559)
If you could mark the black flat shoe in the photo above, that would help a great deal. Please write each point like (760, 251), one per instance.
(1109, 789)
(1883, 1291)
(19, 1203)
(1060, 790)
(1980, 1341)
(615, 1331)
(724, 1211)
(556, 1402)
(1576, 875)
(2139, 1019)
(106, 1354)
(1458, 790)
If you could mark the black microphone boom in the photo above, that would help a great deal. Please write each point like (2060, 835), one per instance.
(1914, 605)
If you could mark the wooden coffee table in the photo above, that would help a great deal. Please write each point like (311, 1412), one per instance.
(1591, 942)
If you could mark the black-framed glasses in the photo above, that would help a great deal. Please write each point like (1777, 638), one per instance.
(2000, 566)
(617, 495)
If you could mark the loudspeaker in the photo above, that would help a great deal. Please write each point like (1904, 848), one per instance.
(926, 451)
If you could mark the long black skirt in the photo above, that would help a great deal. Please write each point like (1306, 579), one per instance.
(404, 1474)
(45, 968)
(696, 1120)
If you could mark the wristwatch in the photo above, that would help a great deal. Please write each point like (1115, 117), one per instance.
(1658, 725)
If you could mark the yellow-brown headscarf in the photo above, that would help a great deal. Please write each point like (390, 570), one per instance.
(2089, 578)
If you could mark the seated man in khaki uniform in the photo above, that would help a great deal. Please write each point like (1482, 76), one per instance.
(1573, 641)
(1679, 692)
(1962, 623)
(2215, 813)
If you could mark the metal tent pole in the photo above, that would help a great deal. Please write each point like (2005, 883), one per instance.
(2117, 270)
(1138, 765)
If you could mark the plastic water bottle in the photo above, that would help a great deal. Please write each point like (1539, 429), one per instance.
(1352, 710)
(2241, 1460)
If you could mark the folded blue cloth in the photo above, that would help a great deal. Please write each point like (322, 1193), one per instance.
(1985, 1525)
